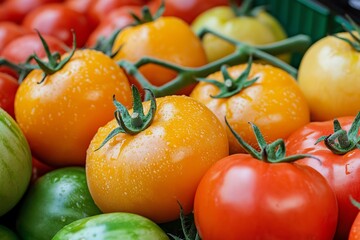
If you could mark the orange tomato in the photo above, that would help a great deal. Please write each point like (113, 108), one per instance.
(60, 116)
(166, 38)
(274, 103)
(150, 172)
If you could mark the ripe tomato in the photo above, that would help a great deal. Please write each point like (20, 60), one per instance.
(106, 226)
(58, 20)
(148, 173)
(163, 39)
(16, 10)
(61, 115)
(9, 31)
(331, 67)
(341, 171)
(355, 227)
(274, 103)
(55, 200)
(8, 88)
(38, 170)
(256, 196)
(99, 9)
(259, 28)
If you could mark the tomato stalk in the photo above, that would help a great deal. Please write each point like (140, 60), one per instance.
(274, 152)
(355, 44)
(21, 69)
(243, 10)
(187, 75)
(137, 121)
(341, 142)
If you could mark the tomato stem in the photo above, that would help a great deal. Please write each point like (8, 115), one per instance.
(274, 152)
(137, 121)
(340, 141)
(243, 10)
(355, 43)
(146, 15)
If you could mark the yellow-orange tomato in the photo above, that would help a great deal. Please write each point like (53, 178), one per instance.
(329, 77)
(274, 103)
(166, 38)
(60, 116)
(150, 172)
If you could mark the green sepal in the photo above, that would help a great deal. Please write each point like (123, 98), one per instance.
(274, 152)
(340, 141)
(146, 15)
(54, 63)
(356, 43)
(105, 45)
(231, 86)
(137, 121)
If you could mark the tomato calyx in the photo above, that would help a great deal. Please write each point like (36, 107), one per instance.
(274, 152)
(341, 142)
(187, 75)
(137, 121)
(146, 15)
(355, 44)
(55, 63)
(22, 69)
(243, 10)
(105, 45)
(231, 86)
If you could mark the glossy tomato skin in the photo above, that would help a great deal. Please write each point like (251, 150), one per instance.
(112, 226)
(55, 200)
(274, 103)
(149, 172)
(164, 39)
(9, 31)
(341, 171)
(243, 198)
(331, 66)
(8, 88)
(58, 20)
(15, 163)
(61, 115)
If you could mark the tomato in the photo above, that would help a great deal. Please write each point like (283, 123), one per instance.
(58, 20)
(9, 31)
(168, 32)
(112, 226)
(149, 172)
(114, 20)
(341, 171)
(15, 163)
(8, 88)
(328, 76)
(60, 115)
(274, 102)
(55, 200)
(7, 234)
(355, 227)
(247, 196)
(16, 10)
(82, 6)
(258, 28)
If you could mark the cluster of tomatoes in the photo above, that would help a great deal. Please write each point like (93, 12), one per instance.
(149, 119)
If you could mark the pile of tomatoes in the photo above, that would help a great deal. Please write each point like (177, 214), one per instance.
(150, 119)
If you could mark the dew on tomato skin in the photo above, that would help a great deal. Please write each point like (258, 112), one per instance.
(63, 219)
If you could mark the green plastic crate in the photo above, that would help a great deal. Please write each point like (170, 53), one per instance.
(304, 17)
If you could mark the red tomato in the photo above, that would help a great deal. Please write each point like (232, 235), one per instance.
(355, 227)
(8, 88)
(15, 10)
(58, 20)
(82, 6)
(243, 198)
(98, 9)
(19, 49)
(9, 31)
(39, 169)
(116, 19)
(341, 171)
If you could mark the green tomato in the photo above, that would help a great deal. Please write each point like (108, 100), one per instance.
(15, 163)
(7, 234)
(112, 226)
(56, 199)
(259, 29)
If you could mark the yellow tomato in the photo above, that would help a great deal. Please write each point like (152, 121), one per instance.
(150, 172)
(274, 103)
(60, 116)
(329, 77)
